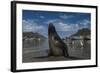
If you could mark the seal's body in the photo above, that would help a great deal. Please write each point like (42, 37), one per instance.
(57, 46)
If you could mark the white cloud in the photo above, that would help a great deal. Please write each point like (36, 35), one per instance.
(31, 25)
(42, 17)
(85, 23)
(66, 27)
(65, 16)
(61, 26)
(52, 21)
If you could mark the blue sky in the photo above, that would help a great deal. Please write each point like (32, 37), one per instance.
(66, 23)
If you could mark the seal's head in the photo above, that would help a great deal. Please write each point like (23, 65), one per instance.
(51, 28)
(51, 25)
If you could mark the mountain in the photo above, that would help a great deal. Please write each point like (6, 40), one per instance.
(33, 35)
(82, 32)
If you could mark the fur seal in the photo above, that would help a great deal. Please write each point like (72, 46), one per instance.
(56, 45)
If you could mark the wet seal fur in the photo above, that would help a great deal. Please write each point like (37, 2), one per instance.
(56, 45)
